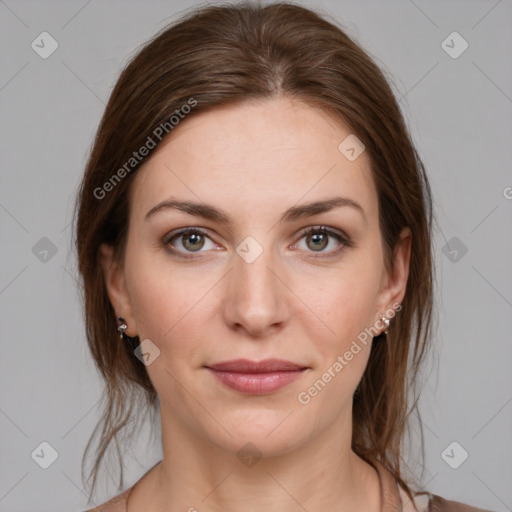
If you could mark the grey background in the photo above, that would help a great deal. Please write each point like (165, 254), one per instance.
(459, 111)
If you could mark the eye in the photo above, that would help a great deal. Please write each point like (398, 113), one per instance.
(190, 240)
(317, 239)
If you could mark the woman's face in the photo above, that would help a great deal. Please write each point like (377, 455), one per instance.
(253, 286)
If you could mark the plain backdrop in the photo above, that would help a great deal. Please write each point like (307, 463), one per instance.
(458, 104)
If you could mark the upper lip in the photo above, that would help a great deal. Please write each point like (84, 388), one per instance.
(264, 366)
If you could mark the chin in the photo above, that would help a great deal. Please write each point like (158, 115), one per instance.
(267, 432)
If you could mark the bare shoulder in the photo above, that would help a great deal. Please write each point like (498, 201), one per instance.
(116, 504)
(439, 504)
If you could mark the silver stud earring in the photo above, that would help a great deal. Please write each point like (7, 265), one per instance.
(122, 327)
(386, 323)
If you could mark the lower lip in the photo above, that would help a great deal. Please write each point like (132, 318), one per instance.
(256, 383)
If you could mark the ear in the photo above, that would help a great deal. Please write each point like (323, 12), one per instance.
(394, 283)
(116, 287)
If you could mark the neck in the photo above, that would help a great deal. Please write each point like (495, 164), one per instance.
(195, 475)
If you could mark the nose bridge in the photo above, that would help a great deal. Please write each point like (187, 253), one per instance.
(255, 298)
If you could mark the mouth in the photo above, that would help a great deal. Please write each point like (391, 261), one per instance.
(256, 378)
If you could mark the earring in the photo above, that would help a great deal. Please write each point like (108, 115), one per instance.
(122, 327)
(386, 323)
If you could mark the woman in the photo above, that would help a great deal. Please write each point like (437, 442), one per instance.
(254, 238)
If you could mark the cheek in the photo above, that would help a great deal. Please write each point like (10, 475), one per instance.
(347, 309)
(170, 304)
(346, 303)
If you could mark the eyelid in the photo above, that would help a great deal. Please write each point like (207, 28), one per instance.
(323, 228)
(182, 231)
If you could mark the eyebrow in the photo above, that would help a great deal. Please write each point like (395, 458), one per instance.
(292, 214)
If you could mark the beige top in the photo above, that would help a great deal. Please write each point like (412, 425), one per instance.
(393, 498)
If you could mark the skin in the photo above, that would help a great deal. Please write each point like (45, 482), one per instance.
(254, 161)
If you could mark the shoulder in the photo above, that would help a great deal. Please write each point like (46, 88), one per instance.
(117, 504)
(427, 502)
(439, 504)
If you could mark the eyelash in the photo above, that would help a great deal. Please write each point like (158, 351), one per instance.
(313, 230)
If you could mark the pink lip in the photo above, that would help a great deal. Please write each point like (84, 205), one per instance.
(256, 378)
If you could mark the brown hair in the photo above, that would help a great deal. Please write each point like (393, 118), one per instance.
(223, 54)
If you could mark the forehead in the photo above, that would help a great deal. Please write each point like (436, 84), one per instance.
(255, 157)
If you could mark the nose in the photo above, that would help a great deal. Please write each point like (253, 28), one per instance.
(256, 298)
